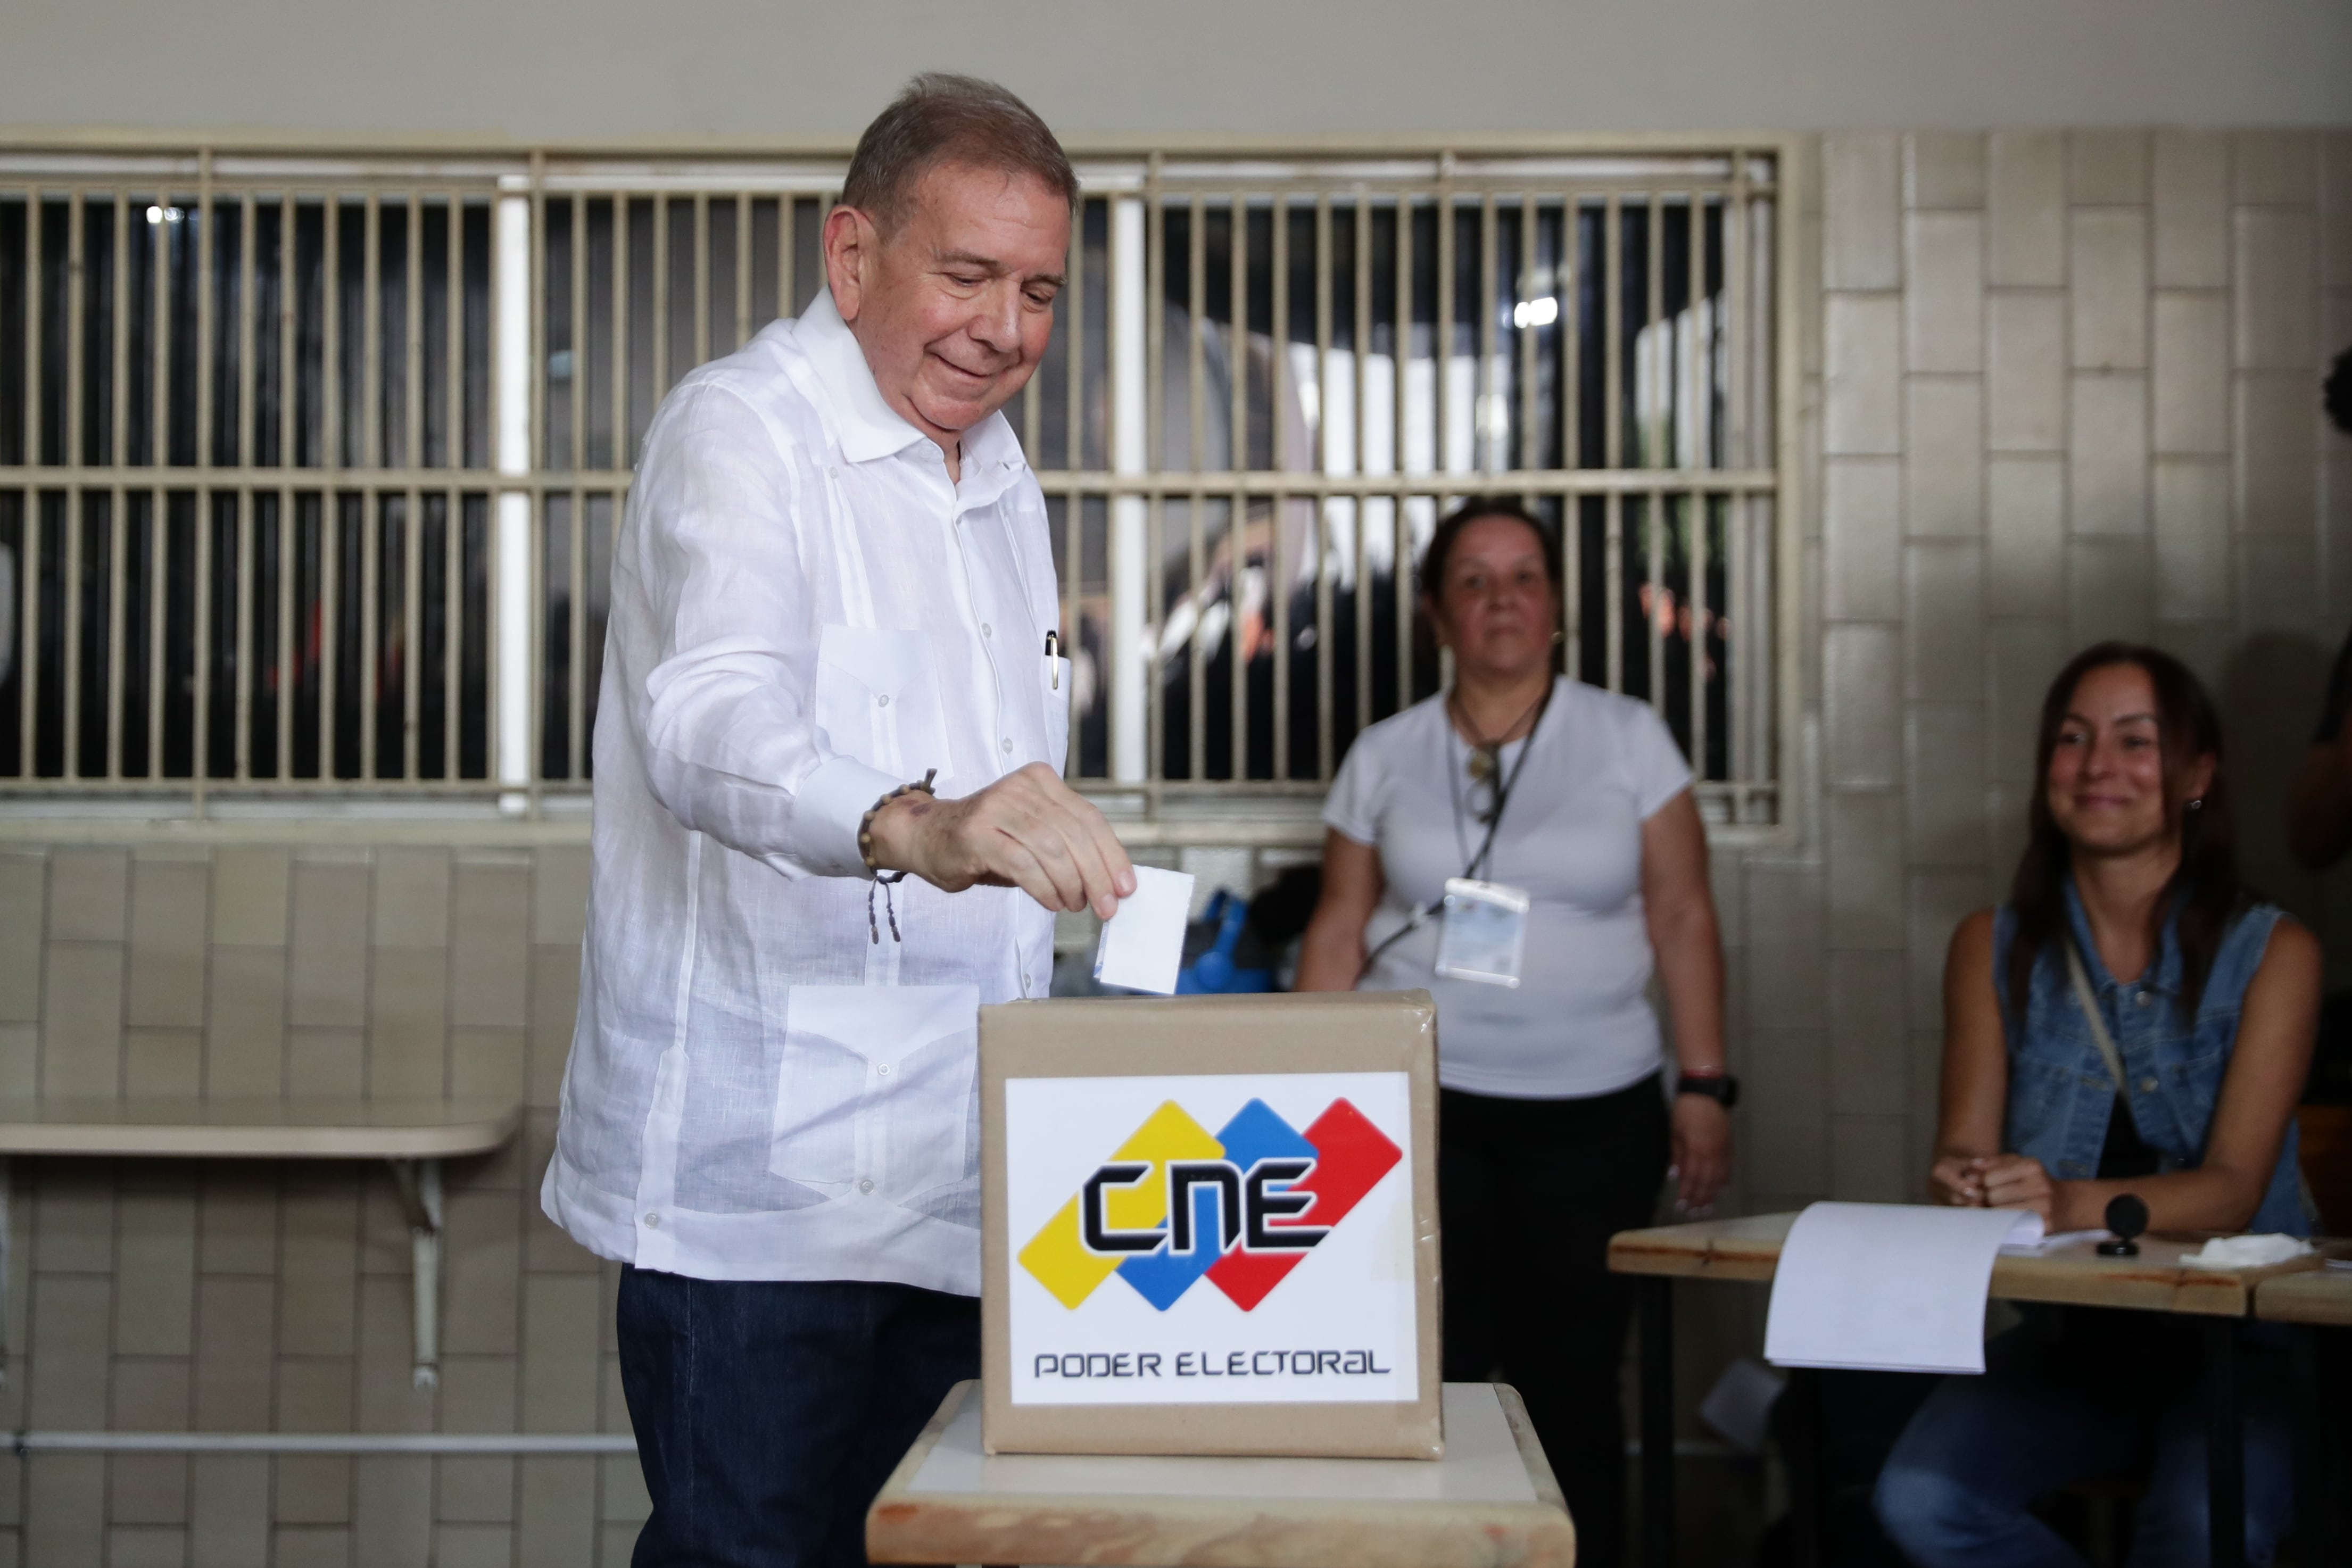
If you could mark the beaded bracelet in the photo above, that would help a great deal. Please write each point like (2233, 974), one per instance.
(885, 880)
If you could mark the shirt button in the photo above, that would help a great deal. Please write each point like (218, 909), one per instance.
(882, 700)
(866, 1184)
(1007, 743)
(2147, 1085)
(883, 1070)
(653, 1221)
(986, 629)
(2145, 998)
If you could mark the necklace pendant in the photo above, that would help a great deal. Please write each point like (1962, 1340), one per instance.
(1482, 764)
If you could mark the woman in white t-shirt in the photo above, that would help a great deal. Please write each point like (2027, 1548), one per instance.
(1554, 1126)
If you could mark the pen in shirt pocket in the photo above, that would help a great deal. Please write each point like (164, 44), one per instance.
(1053, 651)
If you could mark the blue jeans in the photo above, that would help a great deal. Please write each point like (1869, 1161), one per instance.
(2066, 1396)
(769, 1414)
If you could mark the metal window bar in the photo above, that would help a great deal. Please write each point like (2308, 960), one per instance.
(247, 477)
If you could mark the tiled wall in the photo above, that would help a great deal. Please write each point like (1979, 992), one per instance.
(2057, 387)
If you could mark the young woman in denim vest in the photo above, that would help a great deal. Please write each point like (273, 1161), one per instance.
(2209, 997)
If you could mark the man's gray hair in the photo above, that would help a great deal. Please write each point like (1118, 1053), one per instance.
(941, 118)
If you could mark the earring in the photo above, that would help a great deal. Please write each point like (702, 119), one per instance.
(2198, 804)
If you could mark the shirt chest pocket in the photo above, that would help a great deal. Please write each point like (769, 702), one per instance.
(873, 1095)
(877, 699)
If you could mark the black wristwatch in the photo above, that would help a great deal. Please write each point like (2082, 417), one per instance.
(1720, 1087)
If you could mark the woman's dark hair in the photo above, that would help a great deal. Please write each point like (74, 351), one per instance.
(1449, 531)
(2204, 893)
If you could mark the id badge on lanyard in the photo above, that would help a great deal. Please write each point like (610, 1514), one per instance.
(1485, 932)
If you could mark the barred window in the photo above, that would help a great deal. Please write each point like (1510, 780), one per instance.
(309, 468)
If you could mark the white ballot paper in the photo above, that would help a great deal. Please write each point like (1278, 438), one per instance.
(1143, 944)
(1888, 1287)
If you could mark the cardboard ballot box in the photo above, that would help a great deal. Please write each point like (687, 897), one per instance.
(1211, 1226)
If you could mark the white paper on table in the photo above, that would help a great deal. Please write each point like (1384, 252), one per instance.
(1888, 1287)
(1143, 943)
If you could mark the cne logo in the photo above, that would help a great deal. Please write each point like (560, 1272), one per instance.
(1243, 1209)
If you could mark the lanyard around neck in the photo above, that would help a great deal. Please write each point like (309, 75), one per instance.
(1475, 866)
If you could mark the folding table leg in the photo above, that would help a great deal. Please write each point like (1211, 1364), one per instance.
(420, 1194)
(1657, 1308)
(2225, 1447)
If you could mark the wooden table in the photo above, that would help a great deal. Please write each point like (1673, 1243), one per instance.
(413, 1135)
(1749, 1251)
(1490, 1502)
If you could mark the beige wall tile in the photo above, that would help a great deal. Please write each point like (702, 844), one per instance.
(229, 1526)
(2276, 166)
(1943, 600)
(408, 1033)
(237, 1323)
(483, 1268)
(2192, 209)
(2278, 468)
(245, 1045)
(392, 1512)
(73, 1218)
(2190, 384)
(2106, 168)
(2278, 591)
(2025, 536)
(1785, 984)
(411, 898)
(20, 1058)
(2025, 206)
(558, 1352)
(68, 1382)
(2109, 584)
(2026, 360)
(559, 896)
(310, 1546)
(329, 977)
(1937, 902)
(67, 1529)
(148, 1488)
(1943, 461)
(554, 998)
(1944, 169)
(168, 900)
(389, 1400)
(1787, 1123)
(325, 1062)
(1944, 814)
(1869, 1160)
(320, 1246)
(476, 1491)
(313, 1489)
(489, 961)
(146, 1546)
(1865, 868)
(2276, 295)
(24, 904)
(238, 1210)
(2023, 655)
(151, 1394)
(81, 1037)
(474, 1546)
(2109, 259)
(88, 895)
(546, 1249)
(1862, 539)
(2192, 539)
(1862, 204)
(166, 1062)
(478, 1393)
(2107, 454)
(624, 1496)
(250, 887)
(2336, 210)
(1861, 676)
(487, 1063)
(1863, 410)
(559, 1512)
(156, 1255)
(1944, 293)
(1866, 1035)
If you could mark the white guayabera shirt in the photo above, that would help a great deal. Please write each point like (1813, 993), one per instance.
(805, 614)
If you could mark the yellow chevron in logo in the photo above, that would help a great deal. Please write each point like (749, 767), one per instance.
(1058, 1257)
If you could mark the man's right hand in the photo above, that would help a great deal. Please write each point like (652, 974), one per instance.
(1028, 830)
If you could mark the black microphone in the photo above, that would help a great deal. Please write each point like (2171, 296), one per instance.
(2128, 1217)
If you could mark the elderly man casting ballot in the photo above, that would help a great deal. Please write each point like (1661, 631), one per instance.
(833, 585)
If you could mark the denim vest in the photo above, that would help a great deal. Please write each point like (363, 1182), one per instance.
(2059, 1087)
